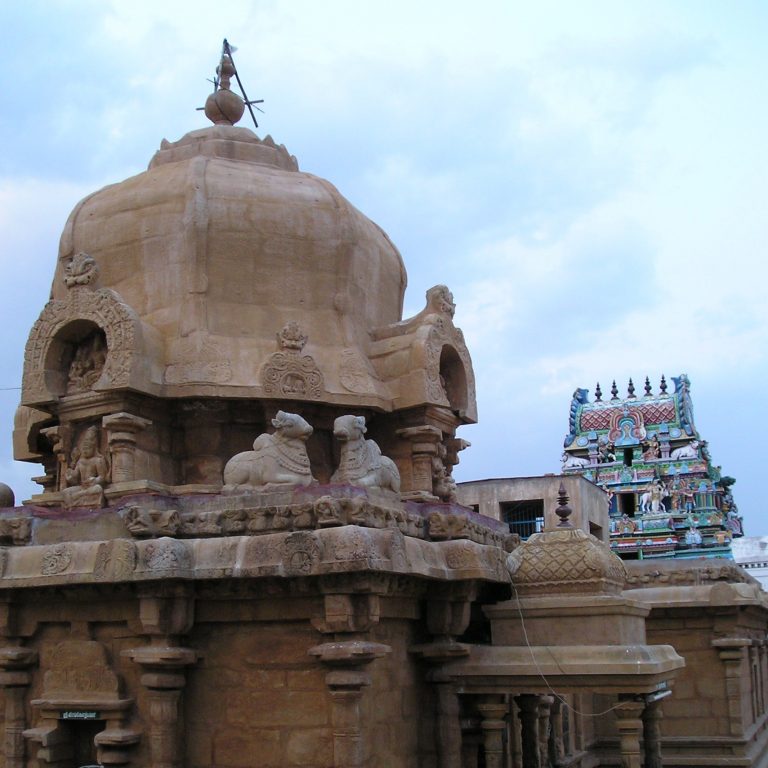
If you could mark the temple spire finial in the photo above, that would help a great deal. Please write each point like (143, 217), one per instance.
(563, 509)
(223, 106)
(630, 389)
(598, 393)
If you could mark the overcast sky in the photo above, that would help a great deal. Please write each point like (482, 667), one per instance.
(589, 178)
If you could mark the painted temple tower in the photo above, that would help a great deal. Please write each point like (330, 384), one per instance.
(666, 497)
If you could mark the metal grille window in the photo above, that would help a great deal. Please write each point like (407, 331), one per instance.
(524, 517)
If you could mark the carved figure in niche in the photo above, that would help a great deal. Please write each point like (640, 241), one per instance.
(626, 525)
(606, 452)
(443, 484)
(361, 462)
(690, 451)
(652, 449)
(651, 500)
(276, 459)
(88, 473)
(87, 363)
(82, 269)
(574, 462)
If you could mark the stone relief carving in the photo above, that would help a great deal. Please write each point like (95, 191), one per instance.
(276, 459)
(290, 373)
(88, 473)
(166, 555)
(78, 669)
(56, 559)
(301, 552)
(115, 559)
(15, 530)
(104, 309)
(87, 363)
(81, 269)
(361, 462)
(141, 521)
(197, 360)
(353, 372)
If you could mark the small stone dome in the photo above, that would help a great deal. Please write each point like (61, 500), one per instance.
(565, 561)
(218, 246)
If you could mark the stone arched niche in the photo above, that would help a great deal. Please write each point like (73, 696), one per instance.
(453, 377)
(90, 340)
(75, 358)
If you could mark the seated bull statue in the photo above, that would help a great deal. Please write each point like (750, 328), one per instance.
(276, 459)
(361, 462)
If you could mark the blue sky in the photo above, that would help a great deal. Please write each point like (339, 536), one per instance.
(588, 178)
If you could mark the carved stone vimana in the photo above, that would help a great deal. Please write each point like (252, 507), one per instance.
(247, 474)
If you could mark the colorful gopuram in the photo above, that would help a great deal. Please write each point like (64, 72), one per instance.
(666, 498)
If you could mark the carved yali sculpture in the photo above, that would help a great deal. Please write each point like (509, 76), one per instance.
(88, 474)
(277, 459)
(361, 462)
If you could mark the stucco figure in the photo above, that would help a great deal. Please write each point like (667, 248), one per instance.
(276, 459)
(361, 461)
(689, 451)
(574, 462)
(88, 474)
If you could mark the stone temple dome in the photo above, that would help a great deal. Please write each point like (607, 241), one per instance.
(224, 284)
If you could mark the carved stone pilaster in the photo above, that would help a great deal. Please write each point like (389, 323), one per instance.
(163, 675)
(493, 710)
(732, 652)
(15, 678)
(60, 438)
(629, 724)
(121, 435)
(418, 483)
(528, 712)
(652, 735)
(346, 680)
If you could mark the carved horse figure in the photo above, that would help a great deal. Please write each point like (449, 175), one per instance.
(361, 462)
(277, 459)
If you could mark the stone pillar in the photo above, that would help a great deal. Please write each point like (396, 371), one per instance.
(470, 742)
(163, 677)
(556, 744)
(14, 681)
(121, 436)
(630, 727)
(545, 702)
(652, 735)
(528, 705)
(448, 723)
(424, 447)
(732, 653)
(345, 682)
(165, 615)
(493, 711)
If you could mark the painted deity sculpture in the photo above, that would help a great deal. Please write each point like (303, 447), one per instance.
(88, 474)
(361, 461)
(276, 459)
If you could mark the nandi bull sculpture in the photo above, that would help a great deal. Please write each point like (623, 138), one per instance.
(361, 461)
(277, 459)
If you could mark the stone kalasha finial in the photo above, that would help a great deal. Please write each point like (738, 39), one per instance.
(563, 510)
(598, 393)
(663, 386)
(223, 107)
(614, 391)
(630, 389)
(647, 387)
